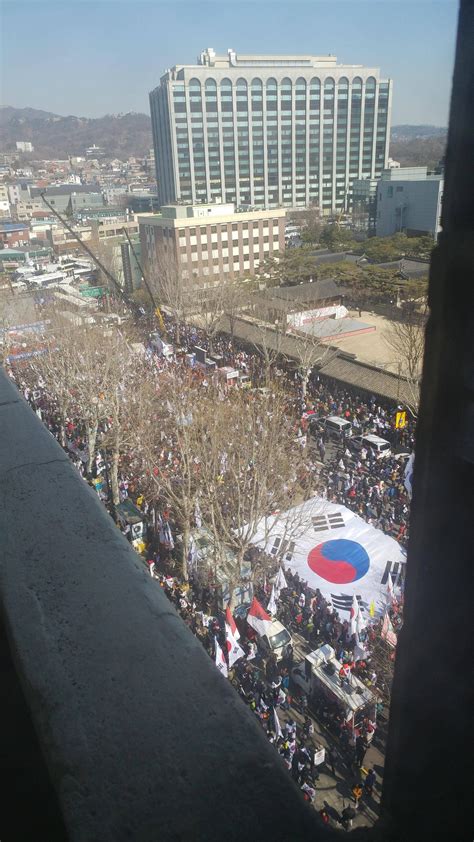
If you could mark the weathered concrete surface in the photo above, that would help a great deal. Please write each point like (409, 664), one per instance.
(142, 737)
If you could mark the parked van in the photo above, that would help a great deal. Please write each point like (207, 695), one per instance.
(378, 446)
(276, 640)
(336, 427)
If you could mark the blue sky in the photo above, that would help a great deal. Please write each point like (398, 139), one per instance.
(90, 58)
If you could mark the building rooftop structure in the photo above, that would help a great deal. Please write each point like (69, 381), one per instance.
(409, 174)
(209, 58)
(65, 189)
(307, 294)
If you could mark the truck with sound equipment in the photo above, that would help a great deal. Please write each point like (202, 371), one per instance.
(336, 696)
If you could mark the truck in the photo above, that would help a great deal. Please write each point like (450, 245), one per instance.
(133, 520)
(319, 677)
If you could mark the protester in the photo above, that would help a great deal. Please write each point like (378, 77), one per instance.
(373, 488)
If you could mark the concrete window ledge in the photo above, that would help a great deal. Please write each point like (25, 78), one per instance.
(138, 735)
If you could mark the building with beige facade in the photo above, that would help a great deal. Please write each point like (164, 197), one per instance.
(269, 130)
(210, 242)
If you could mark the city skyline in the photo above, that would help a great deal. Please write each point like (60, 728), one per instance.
(412, 44)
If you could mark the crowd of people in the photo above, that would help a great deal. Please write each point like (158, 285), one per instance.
(373, 488)
(265, 685)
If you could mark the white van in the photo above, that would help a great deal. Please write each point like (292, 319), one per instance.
(378, 446)
(336, 427)
(276, 640)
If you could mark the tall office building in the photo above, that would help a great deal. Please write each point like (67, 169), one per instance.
(265, 131)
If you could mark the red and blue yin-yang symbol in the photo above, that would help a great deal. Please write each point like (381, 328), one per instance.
(339, 561)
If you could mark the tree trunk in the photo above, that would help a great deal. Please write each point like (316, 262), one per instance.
(114, 484)
(62, 432)
(232, 598)
(304, 383)
(91, 441)
(184, 559)
(177, 336)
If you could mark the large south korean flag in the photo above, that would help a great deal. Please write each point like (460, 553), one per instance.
(335, 550)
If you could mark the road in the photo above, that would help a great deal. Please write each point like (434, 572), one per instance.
(335, 790)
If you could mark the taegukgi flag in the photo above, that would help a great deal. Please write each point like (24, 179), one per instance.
(336, 551)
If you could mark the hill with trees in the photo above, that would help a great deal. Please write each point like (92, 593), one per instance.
(418, 146)
(53, 136)
(122, 135)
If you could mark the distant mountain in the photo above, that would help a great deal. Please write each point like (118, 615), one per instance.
(53, 136)
(418, 146)
(7, 112)
(122, 135)
(413, 132)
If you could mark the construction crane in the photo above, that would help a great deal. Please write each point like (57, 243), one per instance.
(135, 308)
(156, 308)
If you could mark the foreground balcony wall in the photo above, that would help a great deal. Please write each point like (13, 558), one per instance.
(142, 737)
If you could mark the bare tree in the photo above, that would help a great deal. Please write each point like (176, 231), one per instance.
(253, 472)
(127, 379)
(166, 278)
(53, 371)
(270, 345)
(406, 339)
(170, 447)
(238, 294)
(75, 371)
(226, 298)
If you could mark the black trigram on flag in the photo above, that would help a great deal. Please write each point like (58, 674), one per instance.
(392, 569)
(343, 602)
(283, 549)
(322, 523)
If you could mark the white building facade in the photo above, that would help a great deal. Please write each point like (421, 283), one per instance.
(409, 200)
(269, 131)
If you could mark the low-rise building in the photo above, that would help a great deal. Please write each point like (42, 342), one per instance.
(14, 234)
(23, 211)
(70, 197)
(300, 305)
(409, 200)
(5, 210)
(24, 146)
(209, 242)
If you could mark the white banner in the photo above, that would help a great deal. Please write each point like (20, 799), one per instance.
(309, 316)
(336, 551)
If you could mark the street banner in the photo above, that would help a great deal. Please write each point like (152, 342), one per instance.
(335, 550)
(408, 476)
(400, 420)
(319, 756)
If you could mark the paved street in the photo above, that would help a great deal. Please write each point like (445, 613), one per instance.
(335, 790)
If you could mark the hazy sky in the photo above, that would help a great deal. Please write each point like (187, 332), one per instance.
(90, 58)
